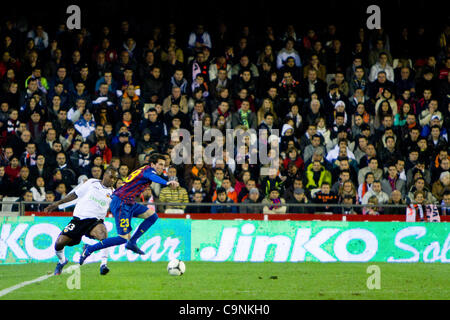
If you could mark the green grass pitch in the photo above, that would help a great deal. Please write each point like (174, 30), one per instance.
(235, 281)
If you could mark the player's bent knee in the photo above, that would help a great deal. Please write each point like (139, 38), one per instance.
(148, 214)
(61, 242)
(125, 236)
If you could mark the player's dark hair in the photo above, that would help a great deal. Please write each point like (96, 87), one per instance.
(111, 169)
(155, 157)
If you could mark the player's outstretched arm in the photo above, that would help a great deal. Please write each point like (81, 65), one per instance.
(155, 178)
(68, 198)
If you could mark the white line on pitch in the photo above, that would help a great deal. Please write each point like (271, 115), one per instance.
(23, 284)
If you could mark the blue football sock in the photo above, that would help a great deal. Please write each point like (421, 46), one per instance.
(143, 227)
(106, 243)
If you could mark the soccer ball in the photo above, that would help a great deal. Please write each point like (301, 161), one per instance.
(176, 267)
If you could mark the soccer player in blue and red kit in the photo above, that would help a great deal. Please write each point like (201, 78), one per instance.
(124, 207)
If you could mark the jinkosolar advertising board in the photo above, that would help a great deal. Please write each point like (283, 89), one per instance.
(31, 239)
(322, 241)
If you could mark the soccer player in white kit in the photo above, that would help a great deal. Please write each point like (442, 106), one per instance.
(92, 202)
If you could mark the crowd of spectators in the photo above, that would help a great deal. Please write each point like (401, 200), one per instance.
(362, 121)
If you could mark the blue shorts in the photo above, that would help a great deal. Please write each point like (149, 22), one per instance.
(123, 213)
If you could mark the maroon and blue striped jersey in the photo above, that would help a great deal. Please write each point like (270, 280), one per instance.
(136, 183)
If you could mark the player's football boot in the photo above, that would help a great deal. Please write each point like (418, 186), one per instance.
(59, 267)
(104, 269)
(84, 254)
(133, 247)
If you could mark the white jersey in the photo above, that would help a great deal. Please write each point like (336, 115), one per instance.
(93, 200)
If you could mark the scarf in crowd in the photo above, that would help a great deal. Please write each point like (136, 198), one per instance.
(218, 183)
(226, 114)
(445, 209)
(244, 117)
(276, 203)
(392, 182)
(365, 188)
(428, 213)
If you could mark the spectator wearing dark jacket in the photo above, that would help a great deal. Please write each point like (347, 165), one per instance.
(254, 197)
(325, 196)
(158, 130)
(197, 197)
(153, 86)
(220, 205)
(298, 197)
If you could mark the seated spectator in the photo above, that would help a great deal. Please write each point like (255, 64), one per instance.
(288, 51)
(231, 193)
(373, 168)
(381, 65)
(12, 170)
(371, 209)
(347, 204)
(254, 197)
(197, 197)
(441, 186)
(221, 201)
(27, 196)
(298, 197)
(393, 182)
(314, 63)
(272, 203)
(102, 149)
(38, 189)
(128, 157)
(271, 181)
(377, 192)
(396, 198)
(174, 194)
(86, 125)
(197, 187)
(244, 117)
(445, 203)
(316, 175)
(325, 196)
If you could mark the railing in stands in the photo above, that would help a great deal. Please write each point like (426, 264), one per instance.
(24, 210)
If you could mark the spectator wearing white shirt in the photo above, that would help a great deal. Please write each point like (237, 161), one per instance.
(286, 52)
(40, 37)
(199, 39)
(376, 191)
(38, 190)
(85, 125)
(381, 65)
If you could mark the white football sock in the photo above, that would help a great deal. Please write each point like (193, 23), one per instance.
(104, 256)
(61, 256)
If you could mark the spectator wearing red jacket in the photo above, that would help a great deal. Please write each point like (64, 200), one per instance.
(12, 170)
(102, 149)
